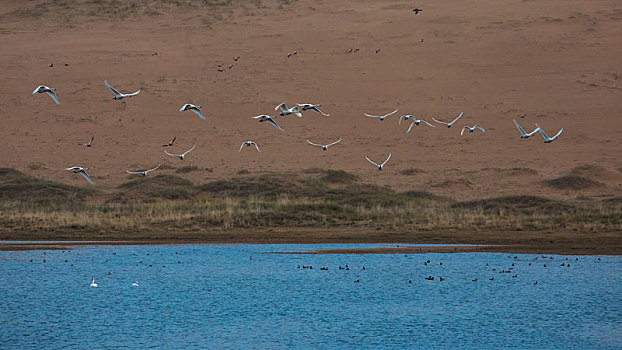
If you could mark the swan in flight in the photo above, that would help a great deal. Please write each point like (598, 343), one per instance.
(135, 284)
(82, 171)
(50, 91)
(449, 124)
(381, 117)
(324, 147)
(311, 107)
(286, 111)
(190, 107)
(90, 142)
(379, 166)
(471, 129)
(170, 143)
(269, 119)
(180, 156)
(523, 134)
(249, 144)
(143, 172)
(117, 94)
(93, 284)
(546, 138)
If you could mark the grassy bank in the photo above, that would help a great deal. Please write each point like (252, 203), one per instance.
(168, 205)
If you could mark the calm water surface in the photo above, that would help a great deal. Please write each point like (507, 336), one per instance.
(245, 297)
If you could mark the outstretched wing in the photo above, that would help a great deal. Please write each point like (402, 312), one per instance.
(254, 144)
(386, 115)
(371, 161)
(172, 154)
(188, 151)
(534, 131)
(385, 162)
(558, 133)
(317, 110)
(198, 113)
(269, 120)
(281, 107)
(423, 121)
(133, 172)
(544, 135)
(86, 176)
(520, 129)
(152, 168)
(334, 143)
(372, 116)
(37, 89)
(183, 108)
(482, 129)
(113, 90)
(314, 144)
(53, 96)
(456, 118)
(134, 93)
(402, 117)
(440, 122)
(411, 126)
(242, 146)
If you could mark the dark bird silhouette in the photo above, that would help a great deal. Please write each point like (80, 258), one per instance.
(417, 10)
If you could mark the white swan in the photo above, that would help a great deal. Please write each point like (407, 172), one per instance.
(190, 107)
(379, 166)
(471, 129)
(449, 124)
(117, 94)
(286, 111)
(249, 144)
(381, 117)
(50, 91)
(311, 107)
(93, 284)
(82, 171)
(142, 172)
(324, 147)
(269, 119)
(523, 134)
(546, 138)
(180, 156)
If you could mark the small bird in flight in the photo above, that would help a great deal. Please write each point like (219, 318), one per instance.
(546, 138)
(266, 118)
(523, 134)
(381, 117)
(142, 172)
(471, 129)
(449, 124)
(117, 94)
(180, 156)
(50, 91)
(379, 166)
(170, 143)
(82, 171)
(417, 10)
(286, 111)
(236, 58)
(249, 144)
(90, 142)
(311, 107)
(377, 50)
(324, 147)
(190, 107)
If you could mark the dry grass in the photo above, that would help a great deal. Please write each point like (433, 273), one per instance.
(167, 203)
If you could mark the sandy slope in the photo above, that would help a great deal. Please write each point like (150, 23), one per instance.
(558, 62)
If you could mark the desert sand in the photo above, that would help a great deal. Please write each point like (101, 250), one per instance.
(556, 63)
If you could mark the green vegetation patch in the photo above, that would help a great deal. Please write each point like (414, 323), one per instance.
(160, 187)
(572, 182)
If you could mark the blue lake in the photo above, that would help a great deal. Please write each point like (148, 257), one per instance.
(246, 297)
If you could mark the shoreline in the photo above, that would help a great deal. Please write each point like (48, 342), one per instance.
(534, 242)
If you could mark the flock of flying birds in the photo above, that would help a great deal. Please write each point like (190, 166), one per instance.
(284, 111)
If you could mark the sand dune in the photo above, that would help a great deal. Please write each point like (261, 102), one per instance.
(558, 64)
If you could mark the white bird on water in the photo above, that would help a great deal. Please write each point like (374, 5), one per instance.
(117, 94)
(546, 138)
(135, 284)
(142, 172)
(381, 117)
(449, 124)
(180, 156)
(286, 111)
(48, 90)
(266, 118)
(311, 107)
(82, 171)
(471, 129)
(190, 107)
(249, 144)
(324, 147)
(379, 166)
(93, 284)
(523, 134)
